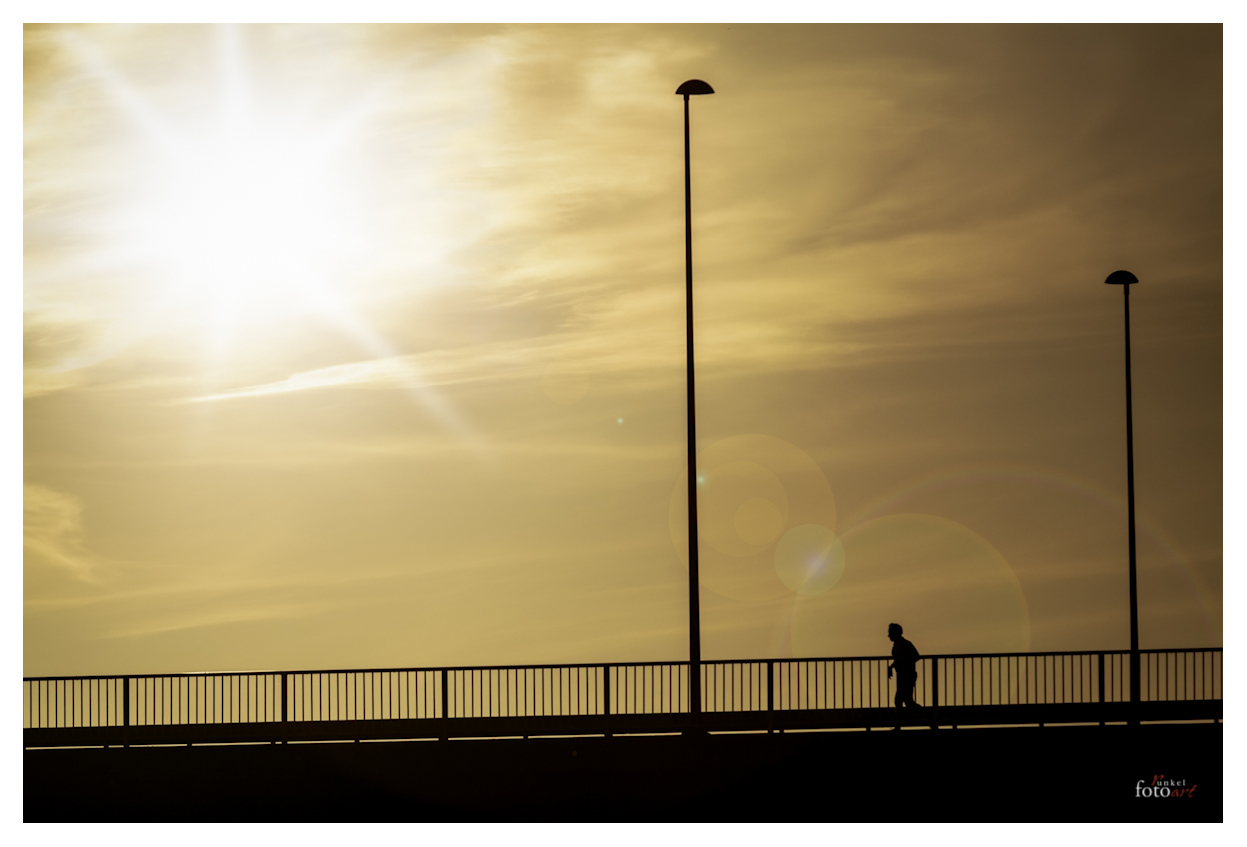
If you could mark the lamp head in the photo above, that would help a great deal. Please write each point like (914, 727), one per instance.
(694, 86)
(1121, 278)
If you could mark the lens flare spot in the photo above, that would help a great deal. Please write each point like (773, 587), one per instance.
(758, 522)
(809, 559)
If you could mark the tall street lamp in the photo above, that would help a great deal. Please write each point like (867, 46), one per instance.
(1126, 279)
(691, 87)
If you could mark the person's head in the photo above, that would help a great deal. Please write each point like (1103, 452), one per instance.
(894, 631)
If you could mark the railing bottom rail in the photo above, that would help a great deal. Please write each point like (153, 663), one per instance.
(748, 721)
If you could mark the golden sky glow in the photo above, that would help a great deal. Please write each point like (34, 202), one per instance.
(362, 345)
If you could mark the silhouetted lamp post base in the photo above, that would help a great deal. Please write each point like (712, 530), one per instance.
(1126, 279)
(691, 87)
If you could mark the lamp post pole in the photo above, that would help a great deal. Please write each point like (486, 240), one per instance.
(1126, 279)
(691, 87)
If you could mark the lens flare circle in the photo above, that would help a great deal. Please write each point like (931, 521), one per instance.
(752, 489)
(758, 522)
(948, 586)
(1079, 491)
(745, 507)
(809, 559)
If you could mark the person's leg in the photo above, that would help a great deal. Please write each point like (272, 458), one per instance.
(907, 685)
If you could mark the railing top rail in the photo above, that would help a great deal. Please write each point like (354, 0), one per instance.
(308, 672)
(594, 665)
(966, 655)
(888, 658)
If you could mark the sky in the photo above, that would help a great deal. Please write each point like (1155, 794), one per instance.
(363, 345)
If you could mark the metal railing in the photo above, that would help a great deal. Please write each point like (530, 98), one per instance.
(741, 688)
(1051, 678)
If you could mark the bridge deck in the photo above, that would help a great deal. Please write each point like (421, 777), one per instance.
(738, 721)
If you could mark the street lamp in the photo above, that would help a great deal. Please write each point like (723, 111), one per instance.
(1126, 279)
(691, 87)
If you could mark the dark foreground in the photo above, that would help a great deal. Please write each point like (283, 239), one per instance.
(1001, 774)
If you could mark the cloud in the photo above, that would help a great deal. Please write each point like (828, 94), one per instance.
(626, 337)
(36, 383)
(376, 372)
(235, 613)
(52, 531)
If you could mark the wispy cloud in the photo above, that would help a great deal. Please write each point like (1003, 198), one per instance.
(236, 612)
(36, 383)
(52, 531)
(390, 371)
(648, 350)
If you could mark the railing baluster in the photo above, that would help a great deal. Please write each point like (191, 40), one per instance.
(185, 703)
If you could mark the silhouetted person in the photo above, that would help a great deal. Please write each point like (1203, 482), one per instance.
(905, 661)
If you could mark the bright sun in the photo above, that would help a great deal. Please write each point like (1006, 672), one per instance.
(252, 216)
(250, 220)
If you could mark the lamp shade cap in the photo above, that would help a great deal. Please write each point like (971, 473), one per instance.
(1121, 278)
(694, 86)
